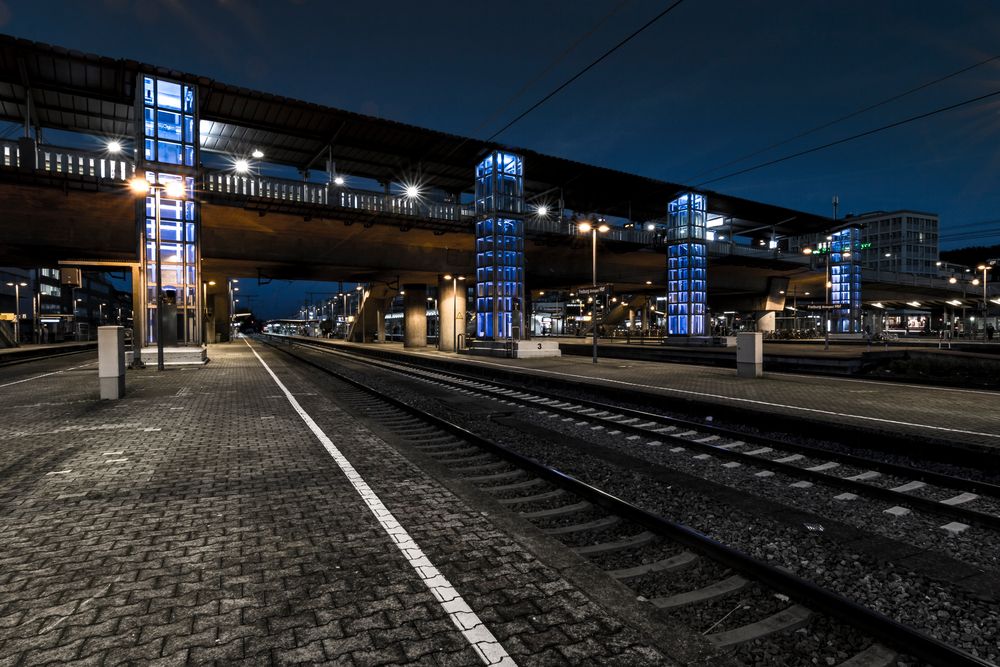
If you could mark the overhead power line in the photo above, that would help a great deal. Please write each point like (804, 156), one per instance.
(814, 149)
(586, 69)
(841, 119)
(541, 74)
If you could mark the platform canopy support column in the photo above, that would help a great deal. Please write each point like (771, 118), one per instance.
(500, 247)
(845, 279)
(415, 315)
(687, 266)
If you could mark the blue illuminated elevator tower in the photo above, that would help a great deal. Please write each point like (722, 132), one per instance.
(167, 141)
(500, 247)
(845, 280)
(687, 266)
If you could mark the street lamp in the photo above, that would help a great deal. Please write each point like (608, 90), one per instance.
(174, 190)
(984, 268)
(17, 309)
(585, 227)
(826, 292)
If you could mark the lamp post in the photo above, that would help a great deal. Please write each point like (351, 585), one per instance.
(174, 190)
(826, 292)
(17, 309)
(593, 229)
(984, 268)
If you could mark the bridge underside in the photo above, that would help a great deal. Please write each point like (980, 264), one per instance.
(41, 226)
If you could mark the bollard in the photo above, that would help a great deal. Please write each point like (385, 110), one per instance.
(749, 355)
(111, 361)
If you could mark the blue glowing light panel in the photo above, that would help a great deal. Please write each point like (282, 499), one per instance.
(687, 266)
(845, 277)
(169, 139)
(499, 246)
(169, 128)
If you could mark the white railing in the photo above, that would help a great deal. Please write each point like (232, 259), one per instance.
(69, 161)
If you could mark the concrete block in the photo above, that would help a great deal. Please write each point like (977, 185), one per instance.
(111, 362)
(750, 354)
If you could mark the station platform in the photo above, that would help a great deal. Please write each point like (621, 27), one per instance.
(202, 518)
(964, 417)
(33, 351)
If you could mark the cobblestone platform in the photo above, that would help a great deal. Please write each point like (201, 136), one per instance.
(200, 519)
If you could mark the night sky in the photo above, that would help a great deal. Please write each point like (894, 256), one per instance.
(712, 81)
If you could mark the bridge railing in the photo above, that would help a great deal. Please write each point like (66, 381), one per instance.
(70, 161)
(266, 188)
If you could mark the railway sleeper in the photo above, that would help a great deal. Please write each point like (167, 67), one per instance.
(678, 562)
(711, 592)
(785, 620)
(564, 510)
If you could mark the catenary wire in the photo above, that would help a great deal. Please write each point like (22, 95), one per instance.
(841, 119)
(586, 69)
(853, 137)
(541, 74)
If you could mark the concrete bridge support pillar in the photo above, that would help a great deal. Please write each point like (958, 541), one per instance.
(380, 323)
(451, 307)
(370, 325)
(415, 315)
(765, 321)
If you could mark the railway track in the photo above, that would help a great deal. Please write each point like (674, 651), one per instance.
(676, 569)
(966, 502)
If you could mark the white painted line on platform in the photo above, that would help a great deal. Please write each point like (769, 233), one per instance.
(737, 399)
(45, 375)
(490, 651)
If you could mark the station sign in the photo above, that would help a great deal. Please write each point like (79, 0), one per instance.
(826, 306)
(595, 290)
